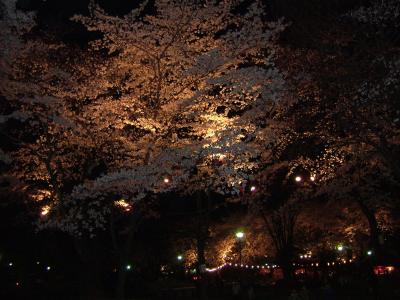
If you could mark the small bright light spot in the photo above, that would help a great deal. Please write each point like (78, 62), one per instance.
(10, 264)
(45, 210)
(179, 257)
(123, 205)
(48, 268)
(340, 248)
(298, 179)
(239, 234)
(166, 180)
(312, 177)
(369, 252)
(128, 267)
(38, 262)
(301, 256)
(17, 283)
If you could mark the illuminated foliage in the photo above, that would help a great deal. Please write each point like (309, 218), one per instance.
(183, 94)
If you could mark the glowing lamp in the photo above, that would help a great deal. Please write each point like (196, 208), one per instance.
(253, 189)
(369, 252)
(312, 178)
(297, 178)
(240, 234)
(45, 210)
(128, 267)
(166, 180)
(340, 248)
(179, 257)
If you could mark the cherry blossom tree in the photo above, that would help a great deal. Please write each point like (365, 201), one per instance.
(152, 104)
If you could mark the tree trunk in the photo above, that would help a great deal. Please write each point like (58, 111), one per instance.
(201, 260)
(91, 280)
(284, 260)
(121, 282)
(374, 231)
(124, 255)
(202, 232)
(93, 283)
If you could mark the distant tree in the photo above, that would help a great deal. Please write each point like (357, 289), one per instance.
(348, 95)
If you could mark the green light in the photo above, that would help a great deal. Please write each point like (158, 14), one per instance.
(240, 234)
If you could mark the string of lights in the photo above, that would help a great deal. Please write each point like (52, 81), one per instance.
(273, 266)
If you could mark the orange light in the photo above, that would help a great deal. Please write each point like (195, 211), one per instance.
(45, 210)
(123, 204)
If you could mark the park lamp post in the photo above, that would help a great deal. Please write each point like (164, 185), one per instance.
(239, 237)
